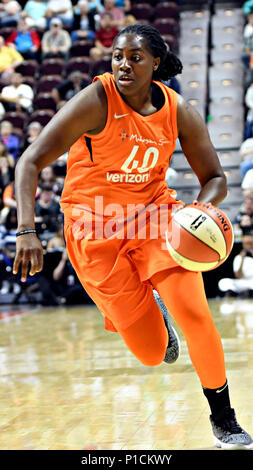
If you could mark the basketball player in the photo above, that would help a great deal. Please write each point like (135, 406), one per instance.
(122, 131)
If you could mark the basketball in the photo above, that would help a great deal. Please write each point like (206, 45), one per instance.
(199, 237)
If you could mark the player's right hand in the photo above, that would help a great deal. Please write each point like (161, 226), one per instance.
(29, 251)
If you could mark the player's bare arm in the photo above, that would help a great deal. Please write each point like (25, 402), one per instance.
(200, 153)
(86, 112)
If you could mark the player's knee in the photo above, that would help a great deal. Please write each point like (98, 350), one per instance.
(154, 357)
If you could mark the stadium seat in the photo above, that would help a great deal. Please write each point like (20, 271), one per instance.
(28, 68)
(81, 48)
(167, 26)
(18, 119)
(195, 54)
(226, 34)
(82, 64)
(226, 109)
(197, 36)
(230, 210)
(233, 176)
(52, 66)
(100, 66)
(44, 101)
(167, 10)
(234, 195)
(194, 93)
(219, 71)
(142, 11)
(225, 139)
(186, 179)
(137, 2)
(179, 161)
(6, 31)
(229, 158)
(225, 86)
(187, 195)
(227, 94)
(48, 82)
(43, 116)
(172, 42)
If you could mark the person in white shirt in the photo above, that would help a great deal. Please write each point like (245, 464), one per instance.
(62, 9)
(243, 270)
(18, 96)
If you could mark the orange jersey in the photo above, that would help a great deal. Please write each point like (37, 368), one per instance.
(126, 163)
(111, 247)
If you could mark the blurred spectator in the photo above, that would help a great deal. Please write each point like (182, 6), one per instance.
(123, 4)
(174, 84)
(247, 7)
(4, 153)
(247, 56)
(2, 111)
(33, 130)
(8, 241)
(56, 42)
(9, 201)
(118, 14)
(9, 13)
(84, 23)
(34, 13)
(104, 38)
(247, 182)
(58, 281)
(249, 118)
(244, 219)
(67, 283)
(171, 176)
(69, 88)
(95, 6)
(18, 96)
(7, 164)
(246, 153)
(60, 167)
(57, 242)
(47, 177)
(9, 60)
(47, 212)
(243, 270)
(129, 19)
(25, 40)
(9, 138)
(61, 9)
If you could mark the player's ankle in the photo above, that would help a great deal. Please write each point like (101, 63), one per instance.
(218, 399)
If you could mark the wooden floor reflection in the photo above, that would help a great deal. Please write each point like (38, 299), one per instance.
(65, 383)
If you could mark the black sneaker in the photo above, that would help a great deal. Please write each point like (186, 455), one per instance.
(173, 348)
(228, 434)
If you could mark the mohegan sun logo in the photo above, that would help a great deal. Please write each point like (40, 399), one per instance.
(123, 135)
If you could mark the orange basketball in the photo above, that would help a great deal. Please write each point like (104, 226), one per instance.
(200, 237)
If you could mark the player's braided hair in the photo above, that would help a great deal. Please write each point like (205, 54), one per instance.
(170, 64)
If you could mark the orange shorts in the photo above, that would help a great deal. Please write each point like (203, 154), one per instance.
(115, 273)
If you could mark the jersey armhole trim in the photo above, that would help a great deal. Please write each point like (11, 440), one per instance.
(109, 111)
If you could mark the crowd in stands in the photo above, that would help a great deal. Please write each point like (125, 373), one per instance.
(49, 51)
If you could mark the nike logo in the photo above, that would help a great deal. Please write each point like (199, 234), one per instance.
(221, 389)
(118, 116)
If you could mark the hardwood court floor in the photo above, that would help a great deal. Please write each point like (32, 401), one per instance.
(66, 384)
